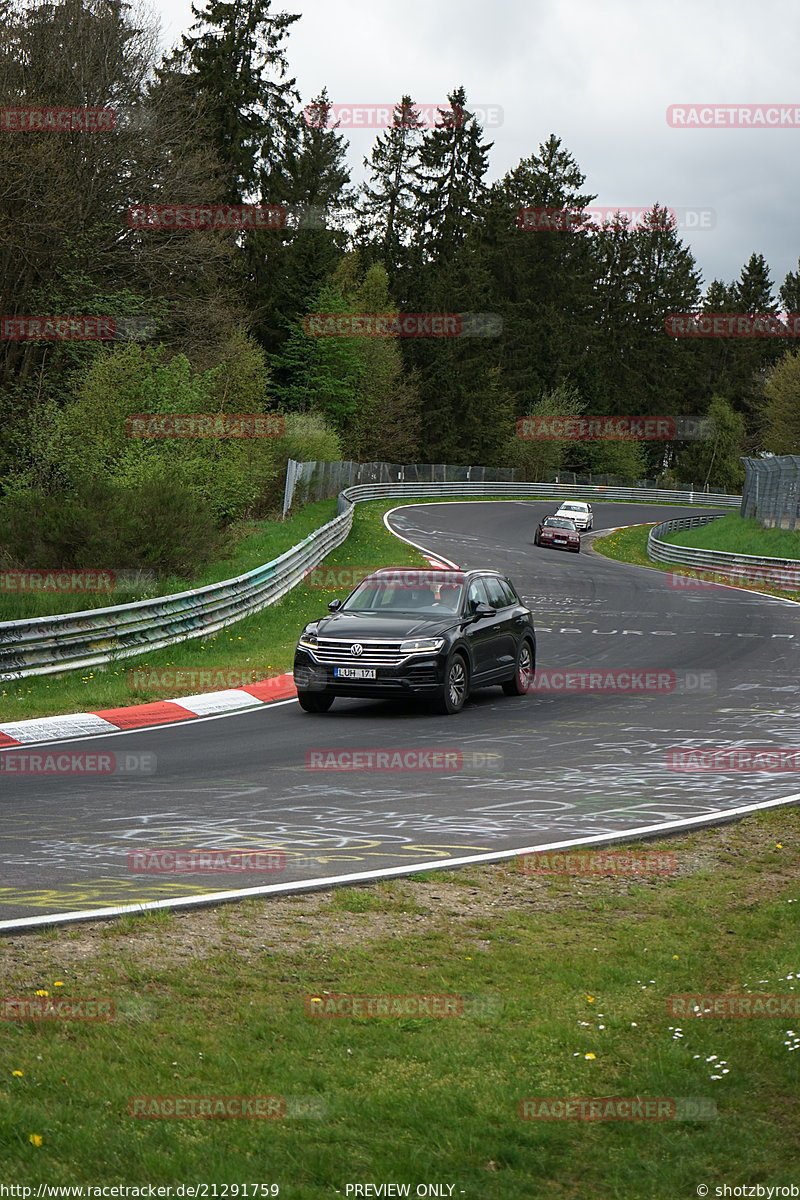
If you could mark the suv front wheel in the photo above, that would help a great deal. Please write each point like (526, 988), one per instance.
(315, 702)
(456, 686)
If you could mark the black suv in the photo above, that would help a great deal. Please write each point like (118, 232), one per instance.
(431, 634)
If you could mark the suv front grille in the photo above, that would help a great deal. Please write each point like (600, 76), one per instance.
(336, 652)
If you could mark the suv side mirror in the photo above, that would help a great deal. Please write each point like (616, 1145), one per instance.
(483, 610)
(334, 605)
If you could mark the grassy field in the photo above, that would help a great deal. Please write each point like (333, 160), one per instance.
(568, 979)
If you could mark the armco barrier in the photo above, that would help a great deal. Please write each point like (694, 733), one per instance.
(380, 491)
(45, 645)
(721, 562)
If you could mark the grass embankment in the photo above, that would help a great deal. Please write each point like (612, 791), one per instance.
(730, 534)
(574, 976)
(250, 546)
(735, 535)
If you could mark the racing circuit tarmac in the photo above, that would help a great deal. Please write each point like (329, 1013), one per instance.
(537, 770)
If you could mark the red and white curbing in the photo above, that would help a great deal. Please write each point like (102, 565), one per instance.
(159, 712)
(140, 716)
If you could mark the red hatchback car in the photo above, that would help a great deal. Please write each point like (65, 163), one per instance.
(559, 532)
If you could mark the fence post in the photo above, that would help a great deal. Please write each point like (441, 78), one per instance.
(288, 490)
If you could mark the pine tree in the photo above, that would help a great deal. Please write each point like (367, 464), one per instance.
(542, 279)
(288, 267)
(748, 359)
(718, 298)
(449, 187)
(386, 205)
(753, 292)
(237, 63)
(644, 274)
(790, 291)
(466, 410)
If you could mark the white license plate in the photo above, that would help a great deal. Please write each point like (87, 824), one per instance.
(560, 541)
(355, 672)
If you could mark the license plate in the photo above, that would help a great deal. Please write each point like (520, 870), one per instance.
(355, 672)
(560, 541)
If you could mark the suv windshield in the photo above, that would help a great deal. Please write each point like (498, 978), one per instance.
(404, 592)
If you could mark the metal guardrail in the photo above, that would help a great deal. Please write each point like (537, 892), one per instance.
(750, 567)
(45, 645)
(379, 491)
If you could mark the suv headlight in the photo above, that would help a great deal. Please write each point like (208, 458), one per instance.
(422, 646)
(308, 638)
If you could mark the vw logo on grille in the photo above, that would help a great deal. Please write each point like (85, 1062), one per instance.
(357, 649)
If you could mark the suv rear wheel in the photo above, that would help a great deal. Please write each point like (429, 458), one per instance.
(522, 682)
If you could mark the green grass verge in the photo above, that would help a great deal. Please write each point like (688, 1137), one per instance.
(735, 535)
(573, 975)
(630, 545)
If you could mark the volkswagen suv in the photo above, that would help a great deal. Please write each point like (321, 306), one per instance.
(429, 634)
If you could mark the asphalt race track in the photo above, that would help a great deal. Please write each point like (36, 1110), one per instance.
(538, 770)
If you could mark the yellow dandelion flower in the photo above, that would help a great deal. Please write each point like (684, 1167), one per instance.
(41, 992)
(18, 1074)
(35, 1139)
(590, 1055)
(58, 983)
(590, 999)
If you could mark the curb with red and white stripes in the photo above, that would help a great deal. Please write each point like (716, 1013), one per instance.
(144, 716)
(159, 712)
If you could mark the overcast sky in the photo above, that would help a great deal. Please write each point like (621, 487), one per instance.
(600, 74)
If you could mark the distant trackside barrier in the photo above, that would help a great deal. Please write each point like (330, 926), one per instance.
(734, 568)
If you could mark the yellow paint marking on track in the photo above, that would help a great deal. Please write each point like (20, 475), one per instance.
(101, 892)
(125, 891)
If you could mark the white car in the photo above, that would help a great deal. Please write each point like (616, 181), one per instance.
(579, 512)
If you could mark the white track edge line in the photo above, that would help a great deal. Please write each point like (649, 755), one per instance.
(408, 541)
(301, 885)
(647, 567)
